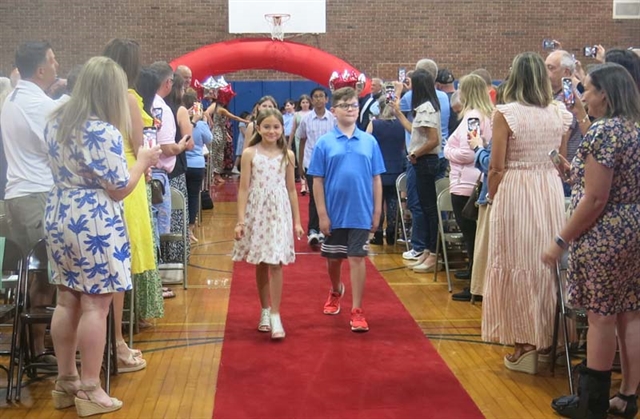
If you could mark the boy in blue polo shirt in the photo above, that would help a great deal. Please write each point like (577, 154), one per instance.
(346, 165)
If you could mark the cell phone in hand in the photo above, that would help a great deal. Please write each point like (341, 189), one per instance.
(567, 92)
(473, 127)
(149, 137)
(402, 74)
(556, 159)
(590, 51)
(548, 44)
(390, 92)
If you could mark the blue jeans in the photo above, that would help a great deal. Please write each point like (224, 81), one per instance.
(426, 169)
(418, 226)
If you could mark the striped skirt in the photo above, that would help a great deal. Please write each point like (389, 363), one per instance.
(519, 298)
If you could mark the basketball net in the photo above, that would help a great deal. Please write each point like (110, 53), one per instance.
(276, 22)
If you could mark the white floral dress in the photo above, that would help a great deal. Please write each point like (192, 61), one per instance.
(87, 242)
(268, 228)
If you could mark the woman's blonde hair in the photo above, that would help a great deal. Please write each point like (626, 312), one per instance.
(528, 81)
(282, 142)
(474, 95)
(100, 92)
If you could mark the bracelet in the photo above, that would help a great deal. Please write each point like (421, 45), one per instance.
(489, 200)
(239, 224)
(560, 242)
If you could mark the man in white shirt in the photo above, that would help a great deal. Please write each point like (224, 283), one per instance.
(314, 125)
(166, 138)
(23, 118)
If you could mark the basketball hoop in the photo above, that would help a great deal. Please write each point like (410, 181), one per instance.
(276, 22)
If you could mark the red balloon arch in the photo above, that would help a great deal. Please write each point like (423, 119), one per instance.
(264, 54)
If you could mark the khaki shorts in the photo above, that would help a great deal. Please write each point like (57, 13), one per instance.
(25, 216)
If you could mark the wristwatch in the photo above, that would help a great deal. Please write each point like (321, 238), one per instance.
(489, 200)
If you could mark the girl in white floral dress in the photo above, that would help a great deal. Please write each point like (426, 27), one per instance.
(267, 201)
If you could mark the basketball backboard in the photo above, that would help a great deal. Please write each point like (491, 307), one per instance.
(306, 16)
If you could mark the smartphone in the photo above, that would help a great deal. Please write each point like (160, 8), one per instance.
(149, 137)
(473, 127)
(590, 51)
(557, 162)
(402, 74)
(156, 113)
(548, 44)
(567, 92)
(390, 92)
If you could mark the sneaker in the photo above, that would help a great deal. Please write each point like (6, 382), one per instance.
(332, 306)
(235, 170)
(358, 322)
(313, 238)
(265, 320)
(411, 255)
(321, 238)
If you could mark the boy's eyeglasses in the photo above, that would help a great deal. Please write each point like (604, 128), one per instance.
(347, 106)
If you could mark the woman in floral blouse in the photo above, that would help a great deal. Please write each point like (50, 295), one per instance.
(603, 239)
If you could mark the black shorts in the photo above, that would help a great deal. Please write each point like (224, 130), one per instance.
(346, 242)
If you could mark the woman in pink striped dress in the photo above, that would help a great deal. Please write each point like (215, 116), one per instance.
(528, 207)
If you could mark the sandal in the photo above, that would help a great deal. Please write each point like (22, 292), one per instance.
(63, 393)
(526, 362)
(630, 409)
(89, 407)
(136, 353)
(168, 294)
(277, 331)
(131, 364)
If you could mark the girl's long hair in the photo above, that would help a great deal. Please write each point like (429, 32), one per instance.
(473, 90)
(282, 142)
(423, 87)
(100, 92)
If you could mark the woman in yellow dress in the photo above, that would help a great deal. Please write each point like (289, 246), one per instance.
(137, 215)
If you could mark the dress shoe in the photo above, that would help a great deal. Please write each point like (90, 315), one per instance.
(464, 295)
(377, 238)
(463, 274)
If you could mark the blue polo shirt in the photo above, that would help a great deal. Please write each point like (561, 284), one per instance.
(348, 165)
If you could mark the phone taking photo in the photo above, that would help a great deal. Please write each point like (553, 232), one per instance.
(402, 74)
(473, 127)
(149, 137)
(590, 51)
(567, 92)
(390, 92)
(548, 44)
(556, 159)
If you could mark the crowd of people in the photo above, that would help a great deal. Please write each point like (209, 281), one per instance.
(91, 173)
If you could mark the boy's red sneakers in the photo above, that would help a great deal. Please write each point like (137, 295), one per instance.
(358, 322)
(332, 306)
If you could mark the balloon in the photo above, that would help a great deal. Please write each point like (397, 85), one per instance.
(348, 78)
(225, 94)
(224, 91)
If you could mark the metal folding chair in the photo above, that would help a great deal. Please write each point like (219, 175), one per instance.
(401, 228)
(178, 202)
(569, 316)
(12, 264)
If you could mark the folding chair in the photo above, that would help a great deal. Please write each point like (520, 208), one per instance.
(12, 262)
(178, 202)
(565, 312)
(36, 264)
(444, 235)
(401, 191)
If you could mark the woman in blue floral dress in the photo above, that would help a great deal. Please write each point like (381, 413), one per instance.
(86, 237)
(603, 239)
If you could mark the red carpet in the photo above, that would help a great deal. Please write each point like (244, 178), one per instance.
(322, 369)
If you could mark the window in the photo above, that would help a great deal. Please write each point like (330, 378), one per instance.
(626, 9)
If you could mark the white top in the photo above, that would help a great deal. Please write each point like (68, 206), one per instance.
(166, 133)
(426, 116)
(24, 116)
(313, 127)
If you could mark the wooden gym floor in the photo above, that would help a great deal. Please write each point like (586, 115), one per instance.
(183, 349)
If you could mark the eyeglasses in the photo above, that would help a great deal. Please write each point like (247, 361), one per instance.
(347, 106)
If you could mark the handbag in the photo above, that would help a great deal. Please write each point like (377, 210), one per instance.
(205, 200)
(157, 191)
(470, 209)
